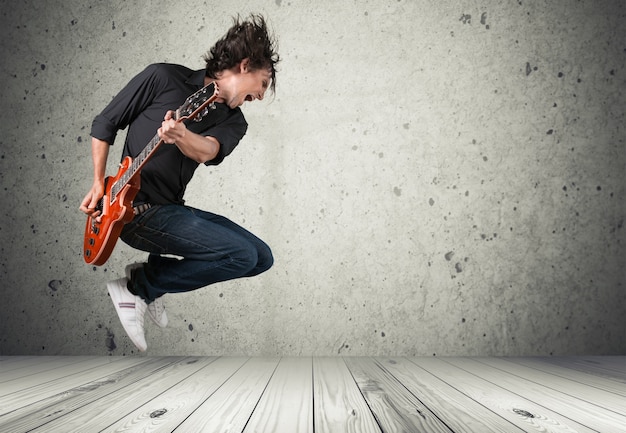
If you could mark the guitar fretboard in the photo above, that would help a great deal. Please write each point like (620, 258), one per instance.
(136, 165)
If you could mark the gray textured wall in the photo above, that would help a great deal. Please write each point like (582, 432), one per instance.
(435, 177)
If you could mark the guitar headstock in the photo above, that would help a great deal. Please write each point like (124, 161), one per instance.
(197, 105)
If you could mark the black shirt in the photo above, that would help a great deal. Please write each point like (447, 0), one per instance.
(141, 106)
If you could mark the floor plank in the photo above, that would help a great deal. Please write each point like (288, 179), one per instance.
(339, 405)
(20, 366)
(101, 413)
(44, 384)
(395, 408)
(26, 411)
(614, 363)
(170, 409)
(230, 407)
(585, 379)
(572, 388)
(553, 402)
(522, 412)
(287, 403)
(312, 395)
(610, 367)
(34, 372)
(438, 392)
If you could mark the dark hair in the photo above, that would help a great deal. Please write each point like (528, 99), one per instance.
(247, 39)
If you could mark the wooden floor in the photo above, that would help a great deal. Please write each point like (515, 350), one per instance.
(291, 395)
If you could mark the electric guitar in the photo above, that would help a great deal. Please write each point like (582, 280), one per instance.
(116, 205)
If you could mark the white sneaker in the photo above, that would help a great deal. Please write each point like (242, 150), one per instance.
(130, 309)
(156, 308)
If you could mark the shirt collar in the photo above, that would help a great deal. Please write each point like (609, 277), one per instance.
(197, 78)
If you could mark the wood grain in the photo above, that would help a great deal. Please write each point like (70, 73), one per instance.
(338, 403)
(311, 395)
(101, 413)
(27, 410)
(21, 366)
(572, 388)
(610, 367)
(440, 393)
(586, 379)
(395, 408)
(521, 412)
(578, 411)
(229, 408)
(287, 403)
(171, 408)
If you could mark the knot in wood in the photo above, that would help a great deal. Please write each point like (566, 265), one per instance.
(522, 412)
(157, 413)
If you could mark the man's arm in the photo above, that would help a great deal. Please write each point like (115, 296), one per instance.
(99, 155)
(194, 146)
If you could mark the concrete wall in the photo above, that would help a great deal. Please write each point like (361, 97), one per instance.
(435, 177)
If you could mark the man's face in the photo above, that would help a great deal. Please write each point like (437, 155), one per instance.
(241, 84)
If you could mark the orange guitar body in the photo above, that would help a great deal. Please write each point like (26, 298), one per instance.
(100, 237)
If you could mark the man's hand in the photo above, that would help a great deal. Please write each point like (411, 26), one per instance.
(90, 202)
(192, 145)
(171, 131)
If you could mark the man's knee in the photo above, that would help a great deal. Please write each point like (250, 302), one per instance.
(266, 260)
(263, 261)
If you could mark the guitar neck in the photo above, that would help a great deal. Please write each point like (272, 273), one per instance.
(136, 166)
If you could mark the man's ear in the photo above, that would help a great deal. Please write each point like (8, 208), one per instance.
(244, 66)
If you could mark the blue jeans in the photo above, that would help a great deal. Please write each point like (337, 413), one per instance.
(211, 249)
